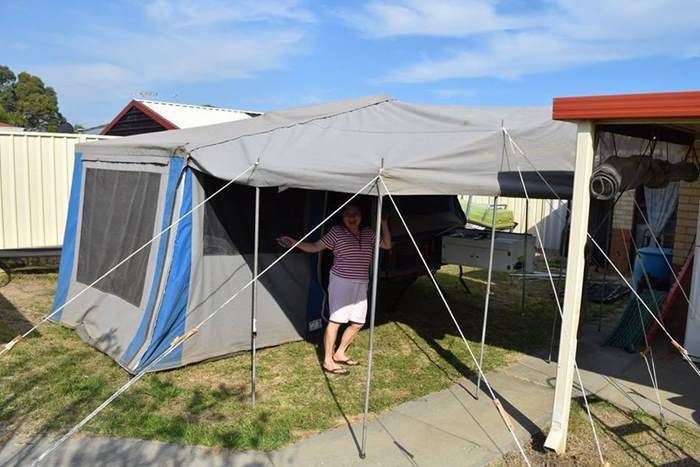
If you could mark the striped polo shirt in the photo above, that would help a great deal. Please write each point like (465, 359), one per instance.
(352, 254)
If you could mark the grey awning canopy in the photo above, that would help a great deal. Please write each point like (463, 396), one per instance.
(340, 146)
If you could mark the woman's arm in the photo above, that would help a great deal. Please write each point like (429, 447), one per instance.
(385, 242)
(308, 247)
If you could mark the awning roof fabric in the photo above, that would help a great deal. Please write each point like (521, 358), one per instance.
(340, 146)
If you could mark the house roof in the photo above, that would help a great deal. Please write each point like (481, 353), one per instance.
(171, 115)
(8, 126)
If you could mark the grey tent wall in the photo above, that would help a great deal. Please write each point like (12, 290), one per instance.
(282, 292)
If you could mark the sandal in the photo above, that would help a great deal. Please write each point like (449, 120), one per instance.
(348, 362)
(336, 371)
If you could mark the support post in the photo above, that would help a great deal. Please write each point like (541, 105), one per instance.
(373, 307)
(254, 307)
(575, 266)
(488, 293)
(527, 218)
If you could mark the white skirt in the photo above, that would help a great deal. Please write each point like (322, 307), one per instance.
(347, 300)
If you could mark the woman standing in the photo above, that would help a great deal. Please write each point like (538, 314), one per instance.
(352, 247)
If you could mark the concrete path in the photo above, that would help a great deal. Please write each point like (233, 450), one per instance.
(447, 428)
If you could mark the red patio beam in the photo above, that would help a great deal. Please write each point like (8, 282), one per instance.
(667, 105)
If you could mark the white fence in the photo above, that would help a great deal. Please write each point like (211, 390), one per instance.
(550, 216)
(35, 175)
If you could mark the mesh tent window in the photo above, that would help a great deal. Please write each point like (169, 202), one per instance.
(119, 213)
(229, 217)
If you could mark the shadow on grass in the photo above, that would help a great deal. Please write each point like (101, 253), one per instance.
(508, 327)
(12, 322)
(618, 431)
(319, 355)
(140, 413)
(528, 330)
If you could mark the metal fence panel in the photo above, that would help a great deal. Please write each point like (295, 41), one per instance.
(35, 174)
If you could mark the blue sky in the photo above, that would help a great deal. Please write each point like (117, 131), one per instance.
(267, 54)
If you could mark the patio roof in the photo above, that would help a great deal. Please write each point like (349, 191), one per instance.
(674, 111)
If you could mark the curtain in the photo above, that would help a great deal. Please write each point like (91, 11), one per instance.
(661, 202)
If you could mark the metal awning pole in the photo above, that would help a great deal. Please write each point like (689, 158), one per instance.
(488, 294)
(373, 307)
(254, 307)
(527, 218)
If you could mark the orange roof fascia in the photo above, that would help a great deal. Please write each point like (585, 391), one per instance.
(167, 124)
(628, 106)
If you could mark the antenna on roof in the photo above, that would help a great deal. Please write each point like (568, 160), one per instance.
(145, 94)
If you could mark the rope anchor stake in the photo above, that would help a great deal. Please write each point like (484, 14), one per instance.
(183, 337)
(12, 343)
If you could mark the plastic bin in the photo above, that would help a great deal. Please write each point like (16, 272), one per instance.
(654, 264)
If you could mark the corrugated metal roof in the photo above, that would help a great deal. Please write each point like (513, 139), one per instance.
(188, 116)
(8, 127)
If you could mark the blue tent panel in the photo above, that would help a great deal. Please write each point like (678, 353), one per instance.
(69, 238)
(172, 314)
(175, 169)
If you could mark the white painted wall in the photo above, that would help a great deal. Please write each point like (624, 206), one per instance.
(35, 176)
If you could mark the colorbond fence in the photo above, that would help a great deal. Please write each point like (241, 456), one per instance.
(35, 175)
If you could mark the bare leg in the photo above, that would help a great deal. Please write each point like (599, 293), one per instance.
(345, 341)
(328, 343)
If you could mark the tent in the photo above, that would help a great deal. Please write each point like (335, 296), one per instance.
(128, 191)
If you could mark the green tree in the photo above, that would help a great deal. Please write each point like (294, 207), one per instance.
(7, 81)
(7, 96)
(25, 101)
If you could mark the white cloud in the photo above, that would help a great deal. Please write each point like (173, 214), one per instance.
(93, 82)
(561, 34)
(452, 93)
(206, 57)
(179, 42)
(189, 13)
(441, 18)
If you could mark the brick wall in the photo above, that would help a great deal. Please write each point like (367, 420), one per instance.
(687, 222)
(622, 227)
(624, 211)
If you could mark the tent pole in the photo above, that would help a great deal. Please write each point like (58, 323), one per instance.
(573, 289)
(527, 218)
(254, 308)
(469, 207)
(488, 293)
(373, 307)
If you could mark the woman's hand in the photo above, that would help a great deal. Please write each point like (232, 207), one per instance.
(385, 242)
(288, 242)
(285, 241)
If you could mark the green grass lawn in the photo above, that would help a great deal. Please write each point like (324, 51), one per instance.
(52, 380)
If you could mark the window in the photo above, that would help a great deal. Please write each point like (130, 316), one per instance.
(119, 212)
